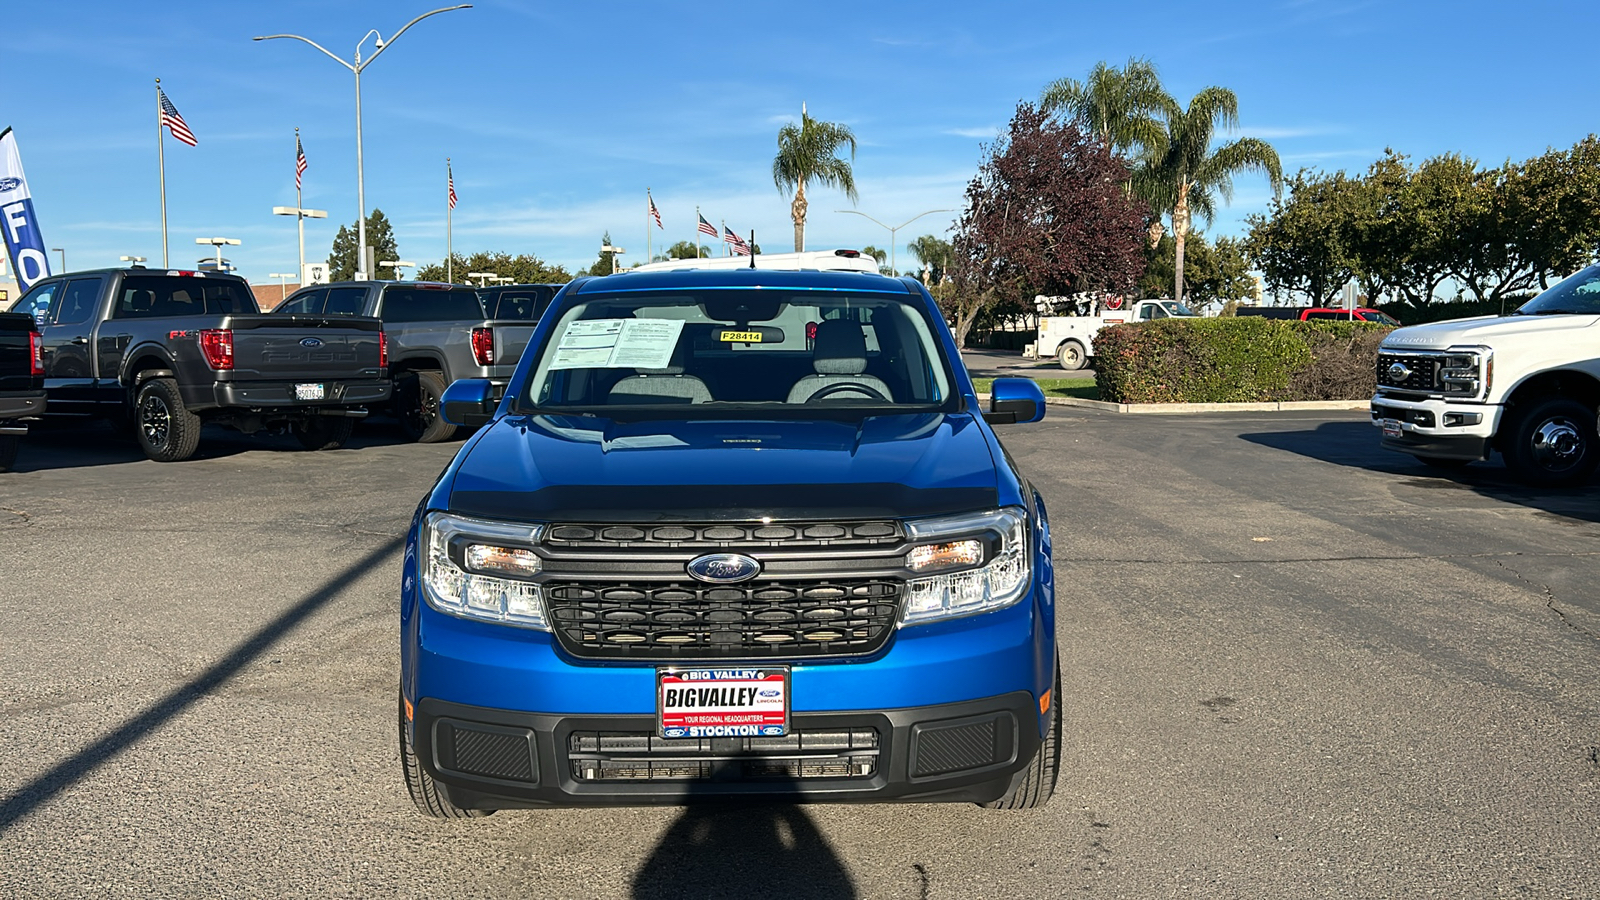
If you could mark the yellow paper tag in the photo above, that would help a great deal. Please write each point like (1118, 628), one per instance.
(742, 337)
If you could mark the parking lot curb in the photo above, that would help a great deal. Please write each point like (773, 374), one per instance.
(1190, 408)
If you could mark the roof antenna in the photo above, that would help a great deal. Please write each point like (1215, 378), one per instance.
(752, 248)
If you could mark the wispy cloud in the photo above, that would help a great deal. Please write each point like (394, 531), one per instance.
(1275, 132)
(985, 132)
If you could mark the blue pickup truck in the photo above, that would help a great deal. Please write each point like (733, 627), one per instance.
(739, 533)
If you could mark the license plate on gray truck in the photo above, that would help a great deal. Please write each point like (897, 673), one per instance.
(310, 391)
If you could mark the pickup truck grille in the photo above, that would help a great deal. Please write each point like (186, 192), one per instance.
(803, 754)
(734, 534)
(1416, 372)
(685, 620)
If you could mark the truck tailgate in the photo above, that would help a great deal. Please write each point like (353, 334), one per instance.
(510, 339)
(304, 348)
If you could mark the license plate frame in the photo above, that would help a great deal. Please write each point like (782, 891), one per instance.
(1392, 429)
(757, 714)
(310, 390)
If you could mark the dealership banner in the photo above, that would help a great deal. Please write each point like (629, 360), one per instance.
(24, 243)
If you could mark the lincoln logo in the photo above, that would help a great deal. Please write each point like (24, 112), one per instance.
(724, 568)
(1399, 372)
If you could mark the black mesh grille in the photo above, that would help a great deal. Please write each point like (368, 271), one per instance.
(1420, 371)
(733, 534)
(956, 747)
(688, 620)
(504, 753)
(614, 756)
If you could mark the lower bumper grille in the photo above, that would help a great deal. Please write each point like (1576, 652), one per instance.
(612, 756)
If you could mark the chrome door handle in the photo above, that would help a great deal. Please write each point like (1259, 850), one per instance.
(80, 340)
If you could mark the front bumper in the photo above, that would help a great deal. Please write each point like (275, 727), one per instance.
(1437, 428)
(971, 751)
(279, 396)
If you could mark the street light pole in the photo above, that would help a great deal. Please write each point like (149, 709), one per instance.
(397, 265)
(283, 288)
(219, 243)
(63, 253)
(355, 68)
(892, 228)
(482, 276)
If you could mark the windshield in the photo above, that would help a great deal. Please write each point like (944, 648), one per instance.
(735, 349)
(1578, 294)
(1174, 308)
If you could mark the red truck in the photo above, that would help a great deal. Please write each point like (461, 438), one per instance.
(1318, 314)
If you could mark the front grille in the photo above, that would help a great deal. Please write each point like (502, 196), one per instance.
(689, 620)
(617, 756)
(733, 534)
(1421, 376)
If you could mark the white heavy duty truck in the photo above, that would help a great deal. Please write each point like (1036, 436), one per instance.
(1526, 385)
(1070, 339)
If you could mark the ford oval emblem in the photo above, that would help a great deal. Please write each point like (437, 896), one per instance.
(724, 568)
(9, 184)
(1399, 372)
(311, 342)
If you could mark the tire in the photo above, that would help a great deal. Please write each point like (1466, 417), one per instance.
(1039, 779)
(1440, 462)
(1552, 442)
(324, 432)
(416, 405)
(166, 430)
(8, 451)
(1072, 356)
(430, 797)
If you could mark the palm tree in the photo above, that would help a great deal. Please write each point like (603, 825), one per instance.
(805, 155)
(1122, 107)
(1187, 175)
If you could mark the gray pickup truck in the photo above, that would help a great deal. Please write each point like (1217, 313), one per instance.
(22, 394)
(437, 333)
(167, 350)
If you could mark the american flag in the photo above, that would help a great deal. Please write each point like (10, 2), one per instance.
(654, 213)
(707, 227)
(450, 179)
(174, 121)
(299, 162)
(729, 236)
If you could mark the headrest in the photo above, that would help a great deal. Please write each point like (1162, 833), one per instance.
(840, 349)
(142, 301)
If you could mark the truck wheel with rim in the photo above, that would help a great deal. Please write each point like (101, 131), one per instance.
(166, 429)
(1072, 356)
(8, 451)
(1552, 442)
(324, 432)
(416, 404)
(430, 797)
(1039, 781)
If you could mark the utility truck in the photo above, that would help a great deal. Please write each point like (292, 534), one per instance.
(1070, 339)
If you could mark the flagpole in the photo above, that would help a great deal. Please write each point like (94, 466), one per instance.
(648, 202)
(727, 248)
(161, 157)
(697, 231)
(449, 271)
(299, 205)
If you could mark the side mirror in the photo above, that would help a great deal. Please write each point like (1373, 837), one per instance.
(1012, 401)
(468, 402)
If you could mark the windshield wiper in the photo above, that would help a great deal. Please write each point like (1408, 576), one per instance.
(1559, 312)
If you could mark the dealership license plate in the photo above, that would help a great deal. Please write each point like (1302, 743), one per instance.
(730, 702)
(310, 391)
(1391, 428)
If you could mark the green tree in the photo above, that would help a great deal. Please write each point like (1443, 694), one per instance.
(1185, 178)
(882, 256)
(1215, 273)
(1123, 107)
(524, 267)
(606, 264)
(685, 250)
(1304, 242)
(806, 154)
(936, 256)
(342, 260)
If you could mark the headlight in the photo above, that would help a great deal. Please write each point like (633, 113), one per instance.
(478, 570)
(983, 560)
(1463, 373)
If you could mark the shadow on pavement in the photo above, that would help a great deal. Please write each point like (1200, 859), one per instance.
(68, 772)
(1355, 444)
(55, 444)
(738, 850)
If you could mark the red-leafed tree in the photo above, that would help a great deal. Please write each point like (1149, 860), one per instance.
(1047, 213)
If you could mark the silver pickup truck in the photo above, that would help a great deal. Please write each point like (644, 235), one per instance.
(437, 333)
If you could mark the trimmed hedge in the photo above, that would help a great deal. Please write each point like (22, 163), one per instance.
(1236, 360)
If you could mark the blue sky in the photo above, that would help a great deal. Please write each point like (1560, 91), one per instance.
(558, 116)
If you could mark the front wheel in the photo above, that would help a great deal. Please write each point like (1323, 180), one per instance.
(1039, 781)
(1552, 442)
(1072, 356)
(167, 430)
(431, 798)
(324, 432)
(416, 404)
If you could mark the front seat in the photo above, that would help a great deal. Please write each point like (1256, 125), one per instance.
(839, 358)
(668, 385)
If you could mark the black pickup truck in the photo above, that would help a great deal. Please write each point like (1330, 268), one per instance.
(21, 382)
(168, 349)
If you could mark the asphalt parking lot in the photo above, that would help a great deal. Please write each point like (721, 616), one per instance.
(1295, 666)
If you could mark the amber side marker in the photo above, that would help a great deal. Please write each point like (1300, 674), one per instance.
(1044, 704)
(408, 705)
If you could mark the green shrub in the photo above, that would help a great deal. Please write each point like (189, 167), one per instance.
(1236, 360)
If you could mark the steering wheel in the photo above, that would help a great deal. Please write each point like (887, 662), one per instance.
(848, 387)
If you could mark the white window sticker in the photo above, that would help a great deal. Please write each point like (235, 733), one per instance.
(617, 343)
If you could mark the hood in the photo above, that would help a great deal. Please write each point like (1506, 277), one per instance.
(572, 468)
(1444, 335)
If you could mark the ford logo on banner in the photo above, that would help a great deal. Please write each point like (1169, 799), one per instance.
(724, 568)
(9, 184)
